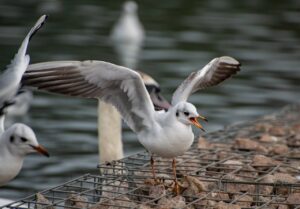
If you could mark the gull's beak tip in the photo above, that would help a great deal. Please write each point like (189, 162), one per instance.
(195, 122)
(40, 149)
(203, 118)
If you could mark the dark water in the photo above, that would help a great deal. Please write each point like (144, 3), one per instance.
(182, 36)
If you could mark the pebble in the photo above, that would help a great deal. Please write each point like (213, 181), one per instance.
(42, 202)
(279, 149)
(76, 201)
(294, 199)
(169, 203)
(248, 144)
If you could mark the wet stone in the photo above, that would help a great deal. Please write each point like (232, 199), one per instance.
(42, 202)
(279, 149)
(294, 199)
(248, 145)
(263, 161)
(294, 141)
(171, 202)
(277, 131)
(76, 201)
(223, 205)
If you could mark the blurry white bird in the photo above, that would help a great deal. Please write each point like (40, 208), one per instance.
(166, 134)
(128, 35)
(11, 77)
(18, 140)
(128, 27)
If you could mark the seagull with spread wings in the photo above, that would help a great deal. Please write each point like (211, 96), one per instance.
(166, 134)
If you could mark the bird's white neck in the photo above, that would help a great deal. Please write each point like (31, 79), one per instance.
(110, 133)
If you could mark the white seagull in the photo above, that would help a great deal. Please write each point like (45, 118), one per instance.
(18, 140)
(15, 143)
(128, 28)
(166, 134)
(128, 35)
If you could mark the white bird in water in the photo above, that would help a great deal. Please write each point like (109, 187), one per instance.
(128, 35)
(18, 140)
(128, 28)
(166, 134)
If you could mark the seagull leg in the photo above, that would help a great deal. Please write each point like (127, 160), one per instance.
(152, 168)
(176, 186)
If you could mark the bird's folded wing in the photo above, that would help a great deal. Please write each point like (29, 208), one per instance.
(216, 71)
(114, 84)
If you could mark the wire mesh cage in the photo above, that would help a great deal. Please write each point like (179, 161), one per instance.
(257, 167)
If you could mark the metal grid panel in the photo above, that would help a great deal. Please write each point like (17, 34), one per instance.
(218, 177)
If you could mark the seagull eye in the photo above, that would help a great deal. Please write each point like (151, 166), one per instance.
(12, 138)
(177, 114)
(186, 113)
(23, 139)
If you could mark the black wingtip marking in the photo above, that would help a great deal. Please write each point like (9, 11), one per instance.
(38, 28)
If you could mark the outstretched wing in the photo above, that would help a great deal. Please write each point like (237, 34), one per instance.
(216, 71)
(114, 84)
(11, 77)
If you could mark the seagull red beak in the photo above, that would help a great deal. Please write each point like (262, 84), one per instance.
(196, 123)
(40, 149)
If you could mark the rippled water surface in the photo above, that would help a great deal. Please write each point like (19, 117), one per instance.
(182, 36)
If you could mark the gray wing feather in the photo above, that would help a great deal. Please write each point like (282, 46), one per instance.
(114, 84)
(11, 77)
(215, 72)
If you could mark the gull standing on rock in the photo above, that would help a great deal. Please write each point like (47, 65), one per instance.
(18, 140)
(166, 134)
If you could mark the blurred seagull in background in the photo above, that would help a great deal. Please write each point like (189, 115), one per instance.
(18, 140)
(128, 28)
(166, 134)
(128, 35)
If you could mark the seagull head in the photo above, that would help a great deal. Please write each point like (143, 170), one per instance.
(21, 141)
(130, 7)
(187, 114)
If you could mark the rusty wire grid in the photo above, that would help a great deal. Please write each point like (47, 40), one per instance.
(215, 177)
